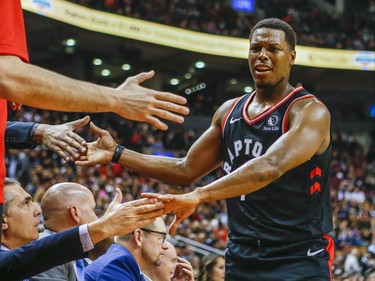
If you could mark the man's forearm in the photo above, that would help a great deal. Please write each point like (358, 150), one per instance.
(166, 169)
(36, 87)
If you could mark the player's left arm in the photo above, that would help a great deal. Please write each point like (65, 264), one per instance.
(308, 134)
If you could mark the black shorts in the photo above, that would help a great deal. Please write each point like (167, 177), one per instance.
(259, 261)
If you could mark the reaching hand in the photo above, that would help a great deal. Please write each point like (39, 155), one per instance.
(181, 205)
(100, 151)
(123, 218)
(183, 271)
(143, 104)
(61, 138)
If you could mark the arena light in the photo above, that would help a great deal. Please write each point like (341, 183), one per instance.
(70, 42)
(97, 61)
(105, 72)
(200, 64)
(174, 81)
(195, 88)
(126, 67)
(248, 89)
(233, 81)
(188, 75)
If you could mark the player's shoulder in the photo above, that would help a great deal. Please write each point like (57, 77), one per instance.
(309, 106)
(223, 110)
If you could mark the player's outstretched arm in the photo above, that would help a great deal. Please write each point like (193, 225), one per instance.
(24, 83)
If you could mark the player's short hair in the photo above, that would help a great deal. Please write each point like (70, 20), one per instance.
(274, 23)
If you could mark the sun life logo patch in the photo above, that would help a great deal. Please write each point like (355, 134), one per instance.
(272, 121)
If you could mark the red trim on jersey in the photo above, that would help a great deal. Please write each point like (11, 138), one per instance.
(269, 110)
(331, 251)
(228, 112)
(285, 118)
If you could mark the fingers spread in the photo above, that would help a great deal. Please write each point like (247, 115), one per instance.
(141, 202)
(165, 114)
(117, 200)
(150, 195)
(79, 123)
(173, 227)
(140, 78)
(149, 208)
(98, 131)
(165, 96)
(155, 122)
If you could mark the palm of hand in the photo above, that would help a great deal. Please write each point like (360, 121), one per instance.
(100, 151)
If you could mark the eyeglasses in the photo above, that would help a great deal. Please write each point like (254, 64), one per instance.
(155, 231)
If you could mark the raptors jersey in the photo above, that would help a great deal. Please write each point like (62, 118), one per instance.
(296, 206)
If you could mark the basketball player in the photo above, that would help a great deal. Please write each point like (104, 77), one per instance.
(274, 147)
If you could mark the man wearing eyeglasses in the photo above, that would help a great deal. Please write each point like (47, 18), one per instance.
(130, 255)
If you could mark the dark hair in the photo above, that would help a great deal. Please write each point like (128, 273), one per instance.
(7, 197)
(206, 265)
(274, 23)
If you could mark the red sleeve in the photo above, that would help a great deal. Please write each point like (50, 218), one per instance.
(12, 30)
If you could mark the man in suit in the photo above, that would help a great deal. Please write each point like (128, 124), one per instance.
(172, 268)
(66, 205)
(130, 255)
(20, 226)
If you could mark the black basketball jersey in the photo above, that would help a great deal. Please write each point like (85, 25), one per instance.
(296, 206)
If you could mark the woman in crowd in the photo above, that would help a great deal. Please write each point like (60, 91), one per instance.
(211, 268)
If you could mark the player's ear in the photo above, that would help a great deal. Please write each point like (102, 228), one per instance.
(4, 224)
(74, 213)
(293, 55)
(138, 237)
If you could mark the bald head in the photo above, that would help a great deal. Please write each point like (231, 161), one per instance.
(66, 205)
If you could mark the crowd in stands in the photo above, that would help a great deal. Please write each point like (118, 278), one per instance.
(352, 184)
(317, 23)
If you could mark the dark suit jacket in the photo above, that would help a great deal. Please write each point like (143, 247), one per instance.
(41, 255)
(116, 264)
(17, 135)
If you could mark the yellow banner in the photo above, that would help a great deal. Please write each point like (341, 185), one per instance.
(159, 34)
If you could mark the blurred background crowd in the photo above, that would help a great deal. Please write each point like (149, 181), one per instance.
(317, 23)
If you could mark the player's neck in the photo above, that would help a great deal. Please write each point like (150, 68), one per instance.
(272, 94)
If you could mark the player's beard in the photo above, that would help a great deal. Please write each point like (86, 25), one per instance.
(267, 85)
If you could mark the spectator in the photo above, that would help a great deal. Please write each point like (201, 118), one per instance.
(130, 255)
(67, 205)
(172, 267)
(352, 266)
(20, 226)
(211, 268)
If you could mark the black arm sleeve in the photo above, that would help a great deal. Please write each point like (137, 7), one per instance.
(18, 135)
